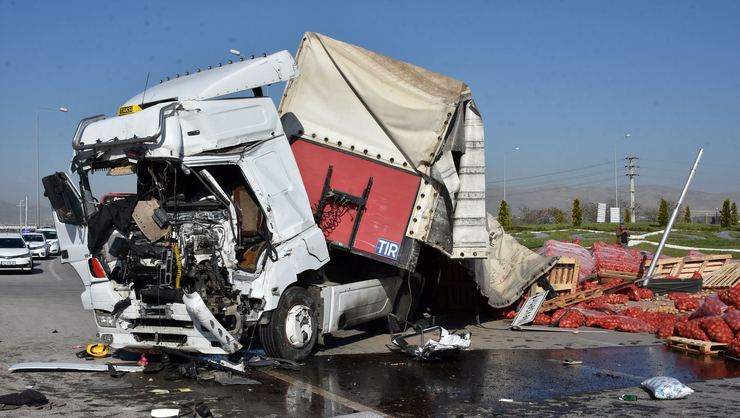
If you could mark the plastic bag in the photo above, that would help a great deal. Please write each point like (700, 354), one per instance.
(572, 319)
(716, 329)
(541, 319)
(664, 387)
(733, 349)
(687, 304)
(692, 329)
(554, 248)
(616, 258)
(712, 306)
(732, 318)
(614, 299)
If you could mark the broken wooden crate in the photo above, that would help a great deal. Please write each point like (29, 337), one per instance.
(563, 277)
(686, 267)
(727, 276)
(606, 276)
(688, 345)
(572, 299)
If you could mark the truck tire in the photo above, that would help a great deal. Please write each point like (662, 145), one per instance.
(293, 329)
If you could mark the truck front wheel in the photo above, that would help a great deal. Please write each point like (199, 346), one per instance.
(293, 328)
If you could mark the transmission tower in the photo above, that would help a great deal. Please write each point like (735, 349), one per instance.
(632, 173)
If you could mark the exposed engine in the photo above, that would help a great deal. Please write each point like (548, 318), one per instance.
(181, 239)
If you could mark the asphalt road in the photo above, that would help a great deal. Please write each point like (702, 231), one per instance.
(41, 319)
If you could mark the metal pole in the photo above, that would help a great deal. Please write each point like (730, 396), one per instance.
(504, 176)
(26, 222)
(616, 193)
(20, 214)
(38, 180)
(673, 218)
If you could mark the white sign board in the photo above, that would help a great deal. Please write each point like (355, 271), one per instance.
(601, 213)
(614, 215)
(527, 313)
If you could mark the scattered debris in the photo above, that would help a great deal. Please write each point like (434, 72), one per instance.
(28, 397)
(228, 379)
(159, 391)
(79, 367)
(686, 267)
(165, 412)
(434, 343)
(663, 387)
(727, 276)
(627, 397)
(571, 362)
(688, 345)
(143, 362)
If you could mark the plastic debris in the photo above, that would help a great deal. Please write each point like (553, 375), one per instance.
(435, 343)
(664, 387)
(165, 412)
(159, 391)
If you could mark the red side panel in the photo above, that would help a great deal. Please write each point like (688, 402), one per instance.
(389, 204)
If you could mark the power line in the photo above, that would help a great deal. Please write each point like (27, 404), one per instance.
(540, 189)
(552, 179)
(551, 173)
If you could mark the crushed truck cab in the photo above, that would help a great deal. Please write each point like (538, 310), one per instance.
(326, 213)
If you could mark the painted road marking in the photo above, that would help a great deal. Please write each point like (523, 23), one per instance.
(323, 393)
(53, 272)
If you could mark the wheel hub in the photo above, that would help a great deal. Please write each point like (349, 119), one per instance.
(298, 326)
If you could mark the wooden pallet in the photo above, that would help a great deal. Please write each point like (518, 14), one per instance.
(684, 268)
(727, 276)
(563, 277)
(606, 276)
(567, 300)
(687, 345)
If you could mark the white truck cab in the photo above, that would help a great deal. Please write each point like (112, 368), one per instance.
(219, 236)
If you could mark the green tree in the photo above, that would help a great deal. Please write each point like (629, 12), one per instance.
(627, 216)
(559, 216)
(733, 214)
(725, 216)
(663, 213)
(576, 213)
(687, 215)
(503, 214)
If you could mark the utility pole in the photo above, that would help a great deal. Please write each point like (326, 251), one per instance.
(20, 214)
(632, 173)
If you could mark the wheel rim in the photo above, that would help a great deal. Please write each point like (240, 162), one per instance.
(298, 326)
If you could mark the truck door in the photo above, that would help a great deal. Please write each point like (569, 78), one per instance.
(70, 222)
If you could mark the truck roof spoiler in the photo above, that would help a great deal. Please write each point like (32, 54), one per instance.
(242, 75)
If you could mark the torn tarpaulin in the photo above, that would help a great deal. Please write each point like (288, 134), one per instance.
(434, 343)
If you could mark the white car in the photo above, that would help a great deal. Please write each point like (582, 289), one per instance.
(14, 254)
(51, 238)
(37, 244)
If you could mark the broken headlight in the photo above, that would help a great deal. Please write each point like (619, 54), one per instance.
(105, 319)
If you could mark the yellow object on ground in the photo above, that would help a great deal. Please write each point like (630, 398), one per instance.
(98, 350)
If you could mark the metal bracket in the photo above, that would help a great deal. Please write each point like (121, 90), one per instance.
(343, 198)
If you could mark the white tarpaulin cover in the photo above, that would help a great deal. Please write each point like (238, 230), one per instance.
(395, 109)
(405, 116)
(510, 268)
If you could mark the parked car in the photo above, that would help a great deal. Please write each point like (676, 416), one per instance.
(14, 254)
(51, 238)
(37, 244)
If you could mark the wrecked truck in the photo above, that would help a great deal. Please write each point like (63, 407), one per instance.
(332, 210)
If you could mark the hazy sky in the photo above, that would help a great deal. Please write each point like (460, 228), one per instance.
(562, 80)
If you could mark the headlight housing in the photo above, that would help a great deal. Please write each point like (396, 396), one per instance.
(105, 319)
